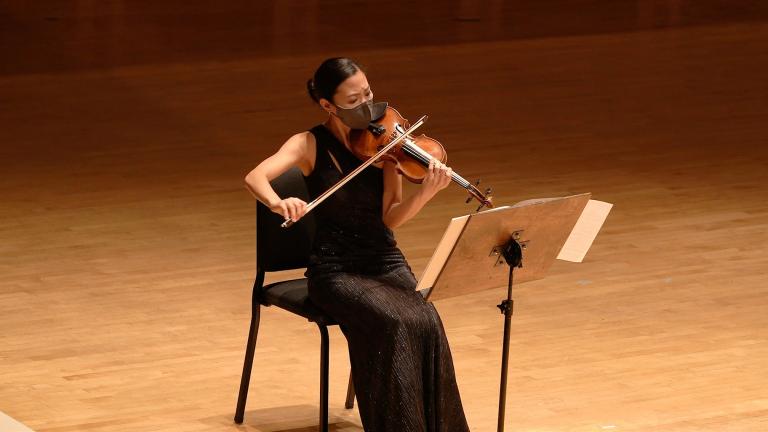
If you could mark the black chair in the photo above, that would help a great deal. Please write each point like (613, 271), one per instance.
(286, 249)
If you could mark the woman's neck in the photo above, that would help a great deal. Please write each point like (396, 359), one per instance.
(338, 129)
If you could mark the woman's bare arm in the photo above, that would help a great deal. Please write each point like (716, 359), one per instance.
(294, 152)
(395, 210)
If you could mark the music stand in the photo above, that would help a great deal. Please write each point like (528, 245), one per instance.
(490, 247)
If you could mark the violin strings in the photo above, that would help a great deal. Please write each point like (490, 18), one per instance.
(420, 155)
(412, 149)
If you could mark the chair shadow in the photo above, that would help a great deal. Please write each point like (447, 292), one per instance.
(297, 418)
(332, 427)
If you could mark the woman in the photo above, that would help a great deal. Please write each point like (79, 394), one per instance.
(401, 363)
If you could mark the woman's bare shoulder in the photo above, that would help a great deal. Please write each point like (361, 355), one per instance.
(303, 144)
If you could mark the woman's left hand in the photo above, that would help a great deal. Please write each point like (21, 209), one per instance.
(438, 177)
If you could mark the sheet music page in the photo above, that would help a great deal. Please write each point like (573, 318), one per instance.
(585, 231)
(443, 250)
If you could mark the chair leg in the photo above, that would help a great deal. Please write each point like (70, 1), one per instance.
(350, 403)
(245, 379)
(323, 378)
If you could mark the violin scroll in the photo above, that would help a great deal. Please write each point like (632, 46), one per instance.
(484, 198)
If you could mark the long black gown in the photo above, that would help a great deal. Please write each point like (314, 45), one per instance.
(401, 363)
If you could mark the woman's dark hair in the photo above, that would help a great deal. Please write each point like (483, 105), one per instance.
(328, 76)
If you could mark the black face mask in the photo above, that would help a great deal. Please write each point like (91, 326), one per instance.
(360, 116)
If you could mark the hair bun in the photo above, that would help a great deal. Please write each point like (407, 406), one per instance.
(312, 90)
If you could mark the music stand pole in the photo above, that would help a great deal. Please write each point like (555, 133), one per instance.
(513, 255)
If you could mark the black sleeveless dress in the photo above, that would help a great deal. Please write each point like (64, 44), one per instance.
(401, 363)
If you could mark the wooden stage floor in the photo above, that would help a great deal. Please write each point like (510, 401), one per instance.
(128, 238)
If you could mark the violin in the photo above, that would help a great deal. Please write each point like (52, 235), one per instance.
(389, 138)
(411, 155)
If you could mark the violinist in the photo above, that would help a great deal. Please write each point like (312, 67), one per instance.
(401, 363)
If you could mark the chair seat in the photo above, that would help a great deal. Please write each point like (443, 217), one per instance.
(293, 296)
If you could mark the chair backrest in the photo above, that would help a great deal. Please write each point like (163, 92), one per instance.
(280, 248)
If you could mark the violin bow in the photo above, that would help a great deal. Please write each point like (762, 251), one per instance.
(322, 197)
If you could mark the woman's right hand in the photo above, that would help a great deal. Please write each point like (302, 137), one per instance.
(290, 208)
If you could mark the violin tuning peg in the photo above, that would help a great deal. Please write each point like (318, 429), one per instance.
(471, 197)
(489, 197)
